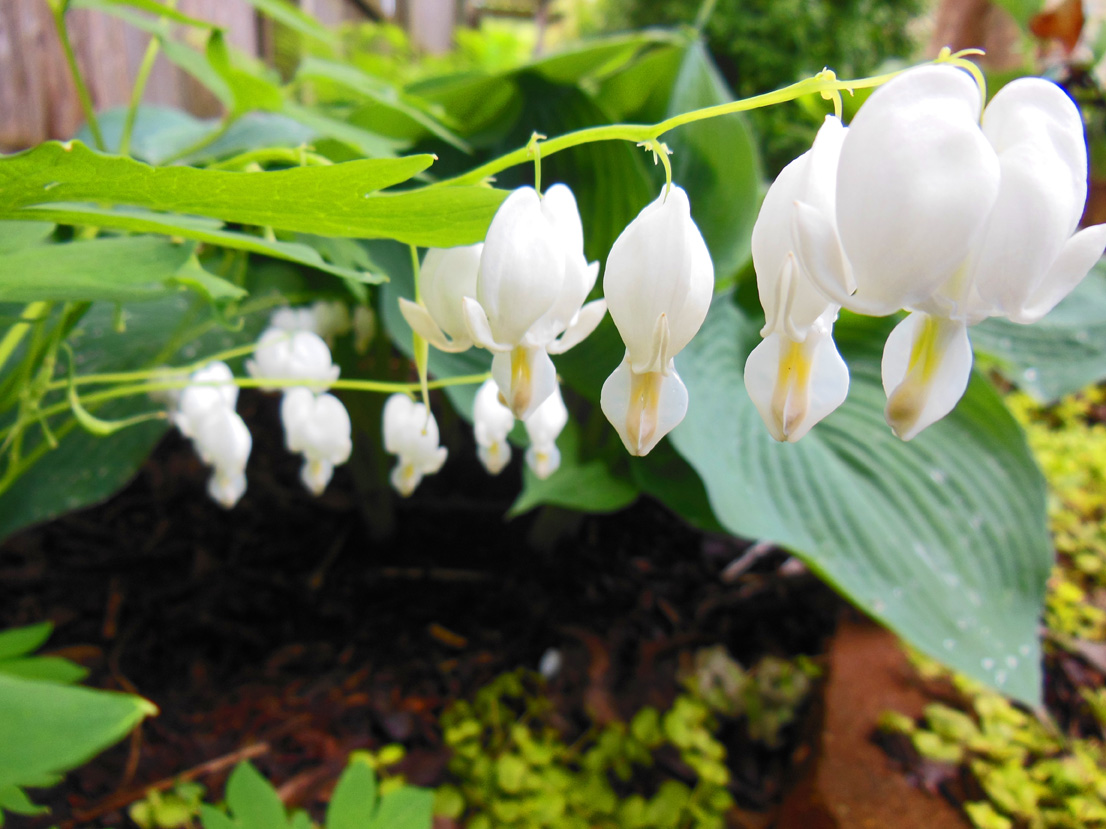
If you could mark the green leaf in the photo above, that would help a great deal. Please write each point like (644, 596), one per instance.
(942, 539)
(250, 90)
(214, 819)
(366, 143)
(297, 20)
(405, 808)
(188, 227)
(252, 799)
(193, 275)
(151, 6)
(23, 640)
(340, 200)
(12, 799)
(716, 162)
(382, 94)
(1021, 10)
(587, 487)
(354, 800)
(117, 270)
(1061, 354)
(44, 668)
(16, 235)
(598, 57)
(48, 728)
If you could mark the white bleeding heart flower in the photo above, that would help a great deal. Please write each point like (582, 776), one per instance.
(916, 180)
(293, 355)
(223, 442)
(317, 426)
(327, 318)
(293, 319)
(1027, 256)
(211, 387)
(796, 376)
(446, 277)
(543, 427)
(491, 423)
(530, 290)
(658, 285)
(411, 433)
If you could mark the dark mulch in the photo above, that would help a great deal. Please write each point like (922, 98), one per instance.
(293, 630)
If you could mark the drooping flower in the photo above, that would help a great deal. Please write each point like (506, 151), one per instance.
(530, 291)
(796, 376)
(658, 286)
(223, 442)
(318, 426)
(1027, 256)
(411, 433)
(293, 355)
(543, 427)
(446, 277)
(211, 387)
(916, 180)
(491, 423)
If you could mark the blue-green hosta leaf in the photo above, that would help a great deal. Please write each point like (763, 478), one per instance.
(1061, 354)
(340, 200)
(942, 539)
(118, 270)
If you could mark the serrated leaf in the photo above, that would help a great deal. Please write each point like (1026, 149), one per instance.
(116, 270)
(354, 800)
(942, 539)
(252, 799)
(340, 200)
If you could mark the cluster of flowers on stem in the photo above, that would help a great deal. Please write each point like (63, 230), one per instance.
(927, 204)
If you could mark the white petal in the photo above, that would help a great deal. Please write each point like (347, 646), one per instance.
(494, 456)
(818, 250)
(559, 206)
(526, 377)
(423, 324)
(789, 299)
(659, 265)
(795, 385)
(643, 408)
(316, 474)
(1075, 261)
(916, 180)
(580, 328)
(522, 267)
(296, 408)
(447, 275)
(548, 420)
(226, 489)
(476, 321)
(927, 362)
(543, 460)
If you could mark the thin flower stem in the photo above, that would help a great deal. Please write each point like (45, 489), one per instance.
(824, 82)
(78, 79)
(143, 374)
(32, 313)
(144, 69)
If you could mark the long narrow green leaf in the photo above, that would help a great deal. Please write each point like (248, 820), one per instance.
(187, 227)
(296, 19)
(117, 270)
(151, 6)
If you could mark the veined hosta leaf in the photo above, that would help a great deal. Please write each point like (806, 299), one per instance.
(340, 200)
(200, 230)
(942, 539)
(1059, 355)
(118, 270)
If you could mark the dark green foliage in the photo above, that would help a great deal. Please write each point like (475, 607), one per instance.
(761, 45)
